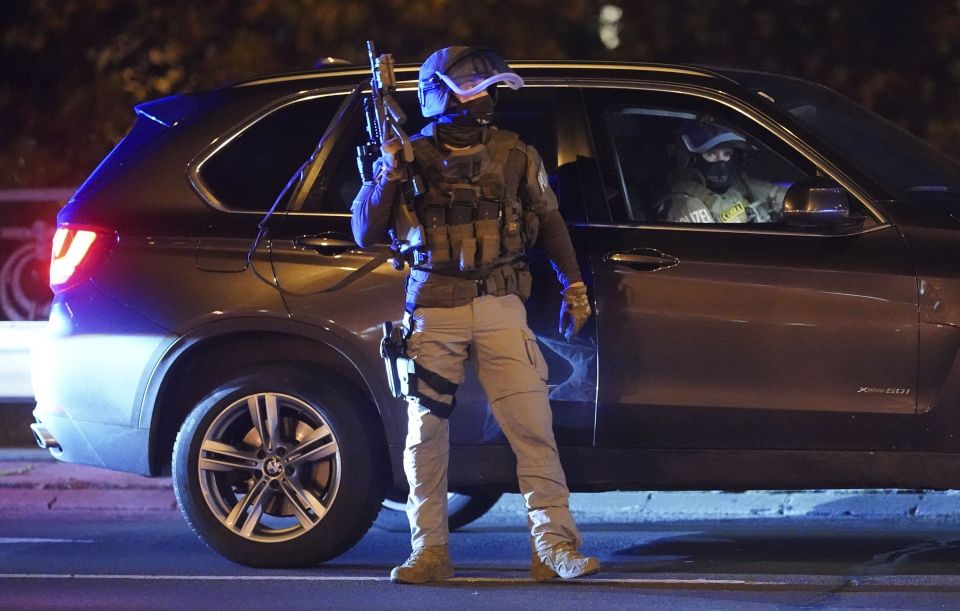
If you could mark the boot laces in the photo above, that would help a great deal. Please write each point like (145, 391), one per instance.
(429, 556)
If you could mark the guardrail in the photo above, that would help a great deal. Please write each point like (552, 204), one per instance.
(25, 251)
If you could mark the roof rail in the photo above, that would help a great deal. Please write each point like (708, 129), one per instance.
(346, 69)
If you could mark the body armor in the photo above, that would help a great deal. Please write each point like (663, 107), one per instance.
(747, 200)
(471, 224)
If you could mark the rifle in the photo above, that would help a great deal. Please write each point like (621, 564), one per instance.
(384, 118)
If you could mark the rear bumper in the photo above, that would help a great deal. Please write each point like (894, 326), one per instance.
(89, 370)
(121, 448)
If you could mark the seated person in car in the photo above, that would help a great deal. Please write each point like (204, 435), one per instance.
(713, 189)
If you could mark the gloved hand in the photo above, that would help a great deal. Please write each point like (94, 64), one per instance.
(758, 212)
(390, 159)
(574, 310)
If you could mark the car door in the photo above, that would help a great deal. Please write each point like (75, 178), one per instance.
(327, 280)
(755, 335)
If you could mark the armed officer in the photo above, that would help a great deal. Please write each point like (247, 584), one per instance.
(486, 199)
(713, 188)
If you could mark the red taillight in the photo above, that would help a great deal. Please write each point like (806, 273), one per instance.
(77, 251)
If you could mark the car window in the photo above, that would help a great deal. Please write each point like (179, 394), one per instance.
(251, 169)
(678, 165)
(898, 161)
(338, 183)
(533, 119)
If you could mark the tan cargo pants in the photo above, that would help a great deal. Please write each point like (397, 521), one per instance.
(513, 374)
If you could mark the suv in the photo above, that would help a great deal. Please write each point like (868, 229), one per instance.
(214, 318)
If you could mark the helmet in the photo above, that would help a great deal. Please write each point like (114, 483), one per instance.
(462, 70)
(701, 137)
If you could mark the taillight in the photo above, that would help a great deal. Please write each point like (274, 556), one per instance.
(77, 252)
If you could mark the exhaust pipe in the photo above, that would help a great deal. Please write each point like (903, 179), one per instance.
(43, 437)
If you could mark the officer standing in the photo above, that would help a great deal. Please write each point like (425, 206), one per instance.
(713, 189)
(487, 199)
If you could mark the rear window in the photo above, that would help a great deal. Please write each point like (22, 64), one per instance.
(532, 119)
(252, 168)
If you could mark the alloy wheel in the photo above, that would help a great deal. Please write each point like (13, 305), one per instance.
(269, 467)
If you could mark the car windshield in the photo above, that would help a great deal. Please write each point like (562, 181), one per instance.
(891, 157)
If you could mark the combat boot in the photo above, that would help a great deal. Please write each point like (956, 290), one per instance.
(431, 563)
(561, 560)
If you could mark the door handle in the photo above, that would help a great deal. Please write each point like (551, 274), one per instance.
(641, 259)
(327, 245)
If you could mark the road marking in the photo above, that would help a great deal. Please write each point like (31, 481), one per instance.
(200, 577)
(40, 540)
(891, 583)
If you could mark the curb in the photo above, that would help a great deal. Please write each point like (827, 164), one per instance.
(32, 482)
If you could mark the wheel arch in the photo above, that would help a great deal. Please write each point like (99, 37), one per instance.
(177, 381)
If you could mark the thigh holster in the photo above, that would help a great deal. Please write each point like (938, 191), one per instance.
(406, 377)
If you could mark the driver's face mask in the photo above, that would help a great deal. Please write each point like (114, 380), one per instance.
(719, 168)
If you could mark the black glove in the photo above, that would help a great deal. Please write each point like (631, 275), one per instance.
(574, 310)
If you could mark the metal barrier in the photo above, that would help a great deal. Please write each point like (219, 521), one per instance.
(25, 251)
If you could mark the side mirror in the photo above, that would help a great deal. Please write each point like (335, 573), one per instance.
(818, 202)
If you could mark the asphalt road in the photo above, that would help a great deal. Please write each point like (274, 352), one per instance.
(154, 561)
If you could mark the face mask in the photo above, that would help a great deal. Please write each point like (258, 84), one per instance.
(479, 109)
(475, 112)
(462, 125)
(719, 175)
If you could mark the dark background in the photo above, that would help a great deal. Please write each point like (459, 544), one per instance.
(72, 69)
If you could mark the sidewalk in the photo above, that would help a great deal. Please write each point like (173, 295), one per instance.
(31, 482)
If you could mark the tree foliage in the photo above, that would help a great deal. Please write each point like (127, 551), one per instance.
(72, 69)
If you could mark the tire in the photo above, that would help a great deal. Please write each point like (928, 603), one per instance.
(461, 510)
(306, 495)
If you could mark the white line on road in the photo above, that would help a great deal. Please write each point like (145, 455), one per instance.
(199, 577)
(40, 540)
(591, 580)
(797, 581)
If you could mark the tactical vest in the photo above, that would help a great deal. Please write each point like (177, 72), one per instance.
(471, 223)
(727, 207)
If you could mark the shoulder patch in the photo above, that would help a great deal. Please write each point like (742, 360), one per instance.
(542, 178)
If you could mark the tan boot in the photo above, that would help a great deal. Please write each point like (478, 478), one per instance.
(431, 563)
(562, 560)
(538, 570)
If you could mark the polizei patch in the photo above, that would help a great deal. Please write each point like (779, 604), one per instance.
(542, 179)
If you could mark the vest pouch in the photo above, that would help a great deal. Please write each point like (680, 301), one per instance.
(438, 244)
(457, 234)
(531, 228)
(512, 237)
(488, 239)
(468, 253)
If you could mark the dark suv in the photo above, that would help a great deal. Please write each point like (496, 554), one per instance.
(214, 318)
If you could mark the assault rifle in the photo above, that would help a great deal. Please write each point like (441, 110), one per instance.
(384, 119)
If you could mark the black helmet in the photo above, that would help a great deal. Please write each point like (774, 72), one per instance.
(462, 70)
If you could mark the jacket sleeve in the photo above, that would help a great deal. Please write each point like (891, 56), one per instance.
(770, 194)
(537, 197)
(372, 209)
